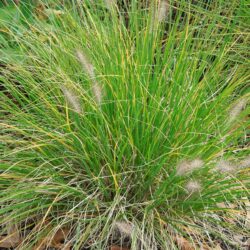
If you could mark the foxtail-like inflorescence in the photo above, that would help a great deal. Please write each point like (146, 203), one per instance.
(193, 186)
(86, 65)
(237, 109)
(110, 4)
(245, 163)
(89, 69)
(162, 10)
(225, 166)
(72, 99)
(125, 228)
(188, 166)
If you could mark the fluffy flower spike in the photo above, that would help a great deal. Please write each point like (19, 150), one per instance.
(125, 228)
(245, 163)
(97, 91)
(89, 69)
(186, 167)
(224, 166)
(236, 110)
(87, 66)
(110, 4)
(72, 99)
(163, 10)
(193, 186)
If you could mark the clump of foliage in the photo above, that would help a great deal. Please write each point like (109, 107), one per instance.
(126, 119)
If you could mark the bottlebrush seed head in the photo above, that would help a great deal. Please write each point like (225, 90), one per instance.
(163, 10)
(245, 163)
(193, 186)
(87, 66)
(159, 14)
(110, 4)
(185, 167)
(97, 91)
(236, 109)
(72, 99)
(89, 69)
(224, 166)
(197, 163)
(125, 228)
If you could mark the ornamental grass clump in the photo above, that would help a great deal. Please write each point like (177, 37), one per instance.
(109, 125)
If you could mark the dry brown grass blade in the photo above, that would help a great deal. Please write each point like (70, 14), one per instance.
(59, 238)
(7, 242)
(12, 239)
(183, 244)
(57, 241)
